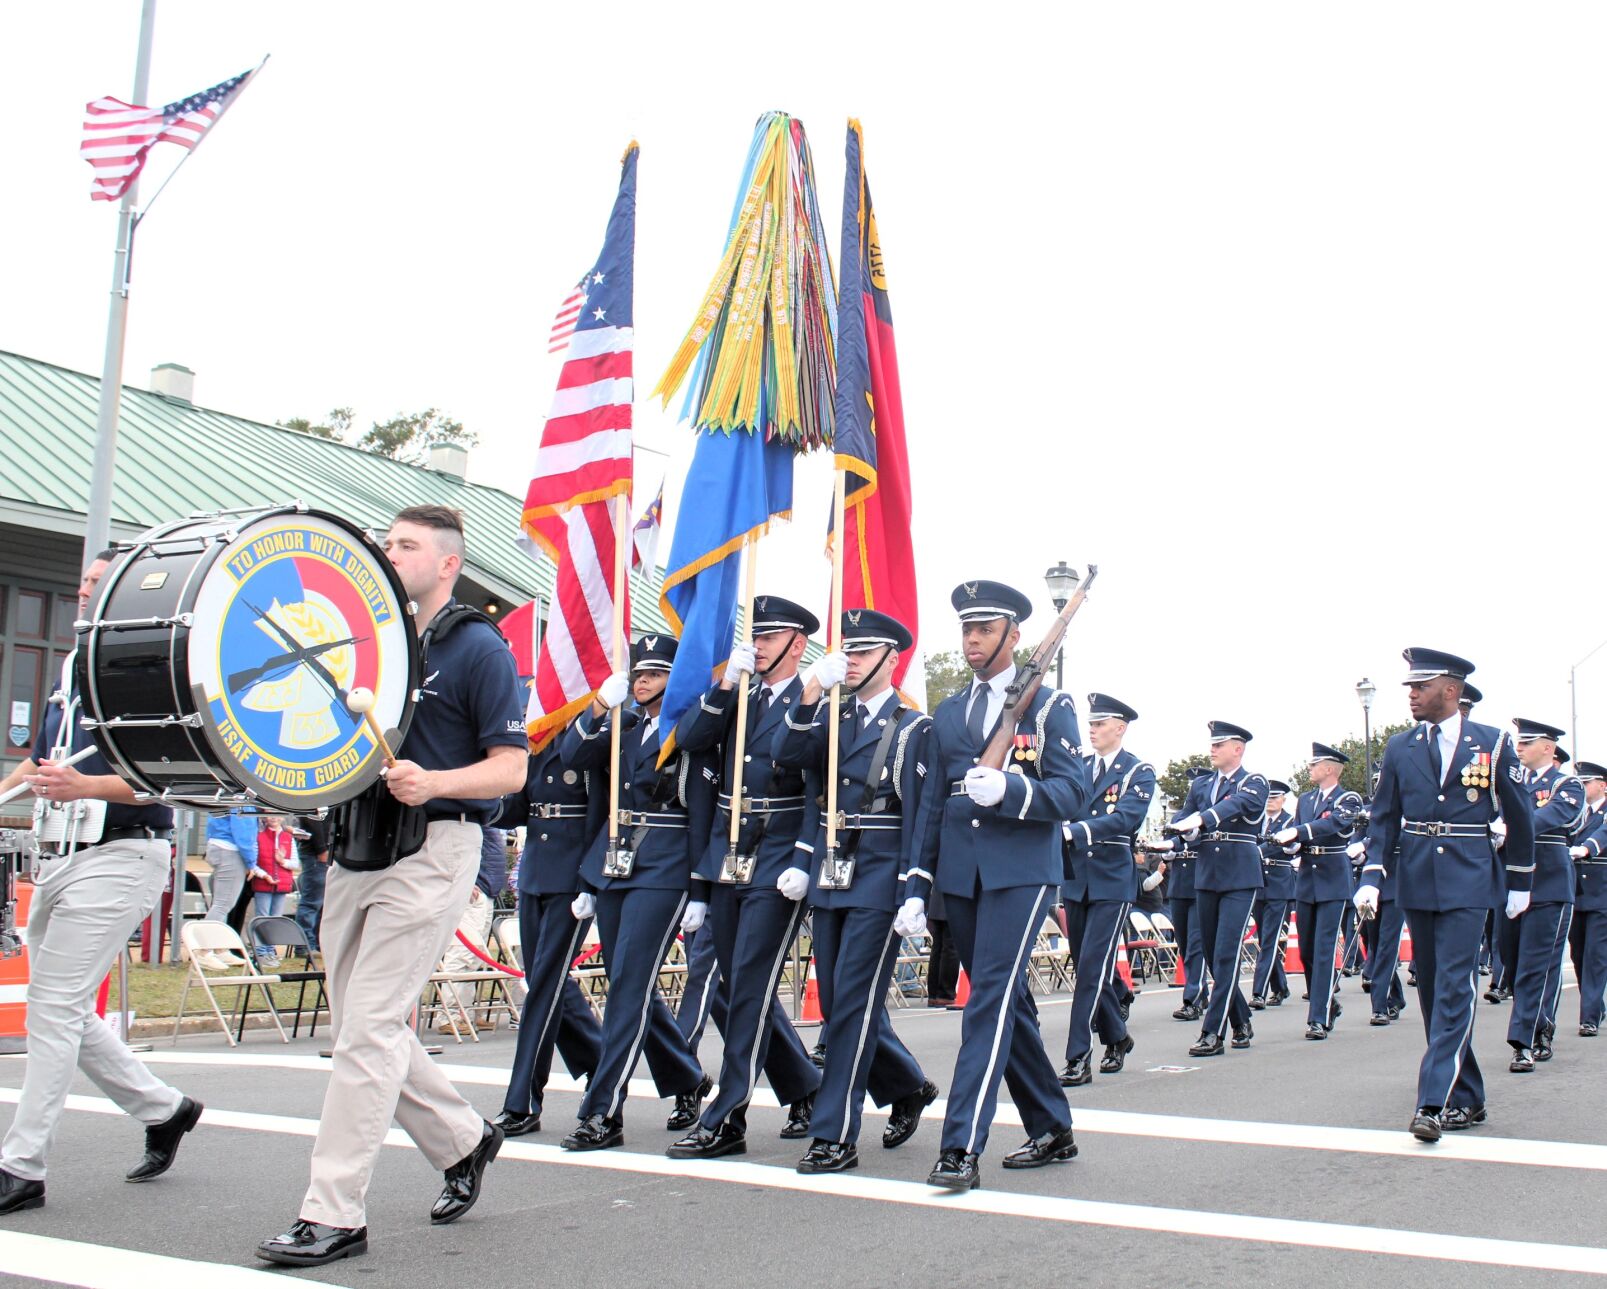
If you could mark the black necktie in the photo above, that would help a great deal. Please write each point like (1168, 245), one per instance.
(976, 721)
(864, 716)
(1221, 788)
(1434, 754)
(758, 707)
(1099, 769)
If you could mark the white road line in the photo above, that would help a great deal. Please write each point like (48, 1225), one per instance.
(94, 1266)
(1472, 1147)
(1393, 1242)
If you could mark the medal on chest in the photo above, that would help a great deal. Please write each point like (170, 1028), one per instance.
(1541, 797)
(1476, 774)
(1113, 794)
(1026, 747)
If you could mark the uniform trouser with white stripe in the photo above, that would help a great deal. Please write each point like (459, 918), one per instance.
(1592, 926)
(1385, 957)
(1445, 947)
(999, 1036)
(1094, 929)
(1537, 975)
(556, 1014)
(754, 929)
(382, 935)
(701, 986)
(1319, 924)
(855, 952)
(1186, 927)
(1506, 939)
(1551, 1000)
(1269, 974)
(637, 928)
(1224, 922)
(79, 922)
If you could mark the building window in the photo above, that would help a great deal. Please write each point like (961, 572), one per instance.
(31, 614)
(24, 711)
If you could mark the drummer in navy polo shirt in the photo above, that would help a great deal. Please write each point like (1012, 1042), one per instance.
(385, 929)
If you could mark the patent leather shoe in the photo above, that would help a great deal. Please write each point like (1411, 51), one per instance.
(710, 1143)
(904, 1115)
(956, 1170)
(464, 1177)
(1425, 1125)
(1050, 1148)
(517, 1125)
(817, 1054)
(1316, 1032)
(1522, 1060)
(829, 1157)
(1116, 1055)
(1277, 999)
(1188, 1011)
(798, 1115)
(311, 1244)
(1208, 1045)
(18, 1193)
(1378, 1018)
(1457, 1118)
(1077, 1072)
(1258, 1002)
(1542, 1048)
(688, 1105)
(162, 1141)
(1242, 1035)
(596, 1132)
(1589, 1029)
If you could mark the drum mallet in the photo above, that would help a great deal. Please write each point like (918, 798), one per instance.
(361, 703)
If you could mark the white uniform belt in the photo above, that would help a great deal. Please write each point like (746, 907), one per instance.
(1434, 828)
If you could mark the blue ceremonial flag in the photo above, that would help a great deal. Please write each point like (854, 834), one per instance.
(736, 485)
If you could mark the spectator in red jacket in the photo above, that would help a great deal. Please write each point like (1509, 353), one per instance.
(272, 878)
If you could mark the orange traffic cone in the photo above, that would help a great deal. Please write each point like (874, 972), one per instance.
(1179, 976)
(811, 998)
(1124, 969)
(962, 991)
(1291, 951)
(14, 984)
(1406, 943)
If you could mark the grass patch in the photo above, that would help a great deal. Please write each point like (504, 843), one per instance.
(154, 991)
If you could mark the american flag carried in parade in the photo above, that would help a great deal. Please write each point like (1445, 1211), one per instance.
(583, 463)
(118, 135)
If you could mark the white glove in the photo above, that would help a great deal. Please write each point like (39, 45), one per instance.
(1187, 824)
(1517, 902)
(984, 785)
(1366, 897)
(583, 906)
(1292, 850)
(1285, 835)
(911, 919)
(793, 883)
(615, 690)
(1295, 863)
(828, 670)
(1579, 852)
(1356, 849)
(692, 919)
(1163, 845)
(743, 659)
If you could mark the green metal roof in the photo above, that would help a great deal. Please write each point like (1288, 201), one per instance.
(174, 459)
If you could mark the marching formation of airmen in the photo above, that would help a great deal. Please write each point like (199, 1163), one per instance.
(1477, 841)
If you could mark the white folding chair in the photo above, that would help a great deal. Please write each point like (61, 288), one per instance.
(218, 937)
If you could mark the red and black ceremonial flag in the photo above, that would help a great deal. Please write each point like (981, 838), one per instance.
(878, 562)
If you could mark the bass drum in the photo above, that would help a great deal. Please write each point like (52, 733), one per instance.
(223, 650)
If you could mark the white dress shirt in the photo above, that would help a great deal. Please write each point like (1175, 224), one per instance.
(994, 691)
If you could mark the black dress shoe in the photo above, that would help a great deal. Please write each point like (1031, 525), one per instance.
(817, 1054)
(1277, 999)
(904, 1115)
(162, 1141)
(1522, 1060)
(1366, 986)
(1050, 1148)
(829, 1157)
(956, 1170)
(1208, 1045)
(1242, 1034)
(596, 1133)
(1394, 1013)
(1077, 1072)
(1126, 1009)
(1335, 1011)
(1492, 995)
(1425, 1125)
(1378, 1018)
(18, 1193)
(311, 1244)
(798, 1115)
(517, 1125)
(1542, 1048)
(464, 1177)
(688, 1105)
(1258, 1002)
(1589, 1029)
(1306, 997)
(1116, 1055)
(1188, 1011)
(710, 1143)
(1316, 1031)
(1456, 1118)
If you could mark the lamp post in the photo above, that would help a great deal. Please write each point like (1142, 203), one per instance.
(1365, 689)
(1062, 581)
(1573, 694)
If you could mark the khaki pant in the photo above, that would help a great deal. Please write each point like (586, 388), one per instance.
(84, 909)
(382, 935)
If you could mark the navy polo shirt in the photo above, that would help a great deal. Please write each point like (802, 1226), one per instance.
(118, 814)
(469, 702)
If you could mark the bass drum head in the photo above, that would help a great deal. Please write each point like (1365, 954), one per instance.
(297, 612)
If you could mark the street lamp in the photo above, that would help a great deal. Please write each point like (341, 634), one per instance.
(1062, 581)
(1573, 694)
(1365, 689)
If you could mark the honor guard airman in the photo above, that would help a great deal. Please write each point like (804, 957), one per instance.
(757, 887)
(1439, 788)
(868, 890)
(1558, 801)
(562, 817)
(1223, 814)
(1180, 859)
(1271, 907)
(1098, 890)
(996, 852)
(1325, 822)
(640, 888)
(1588, 935)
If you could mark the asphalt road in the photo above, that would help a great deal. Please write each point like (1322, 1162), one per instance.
(1288, 1161)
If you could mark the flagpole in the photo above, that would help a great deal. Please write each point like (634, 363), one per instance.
(98, 517)
(750, 559)
(621, 527)
(834, 640)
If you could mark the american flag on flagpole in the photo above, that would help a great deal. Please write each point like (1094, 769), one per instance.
(119, 135)
(583, 463)
(563, 326)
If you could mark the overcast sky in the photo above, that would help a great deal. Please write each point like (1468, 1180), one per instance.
(1290, 317)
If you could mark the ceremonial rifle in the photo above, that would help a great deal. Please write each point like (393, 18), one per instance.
(1030, 676)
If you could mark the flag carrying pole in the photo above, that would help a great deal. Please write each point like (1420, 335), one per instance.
(750, 560)
(834, 640)
(98, 518)
(621, 527)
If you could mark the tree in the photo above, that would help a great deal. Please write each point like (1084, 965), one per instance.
(946, 674)
(337, 427)
(1174, 783)
(1353, 777)
(405, 437)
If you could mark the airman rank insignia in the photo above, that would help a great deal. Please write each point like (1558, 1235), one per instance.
(1026, 747)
